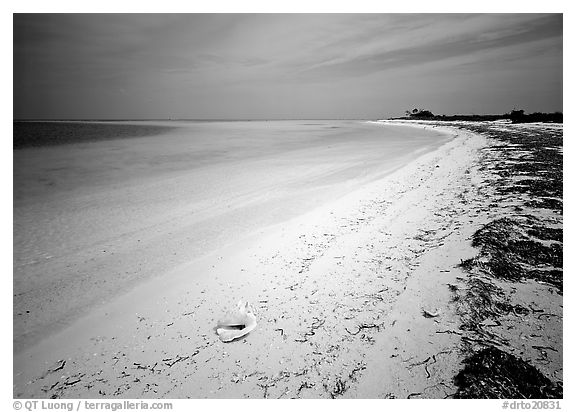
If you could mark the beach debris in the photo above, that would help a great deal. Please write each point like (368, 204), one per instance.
(518, 248)
(337, 389)
(62, 385)
(305, 385)
(492, 373)
(48, 388)
(449, 331)
(292, 287)
(426, 362)
(172, 361)
(342, 383)
(430, 314)
(419, 363)
(237, 324)
(74, 379)
(361, 327)
(59, 365)
(315, 325)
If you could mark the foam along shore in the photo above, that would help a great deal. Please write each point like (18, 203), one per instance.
(351, 300)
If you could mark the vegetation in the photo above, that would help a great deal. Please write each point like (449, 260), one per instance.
(420, 114)
(516, 116)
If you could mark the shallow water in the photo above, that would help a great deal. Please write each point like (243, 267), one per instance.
(159, 148)
(45, 133)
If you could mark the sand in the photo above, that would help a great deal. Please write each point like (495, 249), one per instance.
(91, 220)
(351, 299)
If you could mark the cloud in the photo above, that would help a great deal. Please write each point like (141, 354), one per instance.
(253, 61)
(431, 49)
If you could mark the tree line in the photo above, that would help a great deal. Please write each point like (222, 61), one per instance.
(516, 116)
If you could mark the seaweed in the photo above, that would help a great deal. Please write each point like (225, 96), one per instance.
(534, 187)
(507, 252)
(546, 233)
(513, 248)
(516, 309)
(541, 165)
(553, 277)
(525, 170)
(494, 374)
(546, 203)
(482, 300)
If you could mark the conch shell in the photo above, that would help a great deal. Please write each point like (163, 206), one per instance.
(236, 324)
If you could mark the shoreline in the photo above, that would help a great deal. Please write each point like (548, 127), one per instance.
(66, 342)
(145, 219)
(353, 299)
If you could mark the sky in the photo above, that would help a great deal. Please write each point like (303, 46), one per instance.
(283, 66)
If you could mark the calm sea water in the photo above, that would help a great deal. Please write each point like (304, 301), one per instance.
(55, 158)
(37, 134)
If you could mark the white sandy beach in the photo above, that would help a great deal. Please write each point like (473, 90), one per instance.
(338, 293)
(92, 220)
(288, 271)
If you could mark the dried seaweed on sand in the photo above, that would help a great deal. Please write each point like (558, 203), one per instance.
(494, 374)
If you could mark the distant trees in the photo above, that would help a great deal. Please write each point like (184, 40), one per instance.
(516, 116)
(419, 113)
(519, 116)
